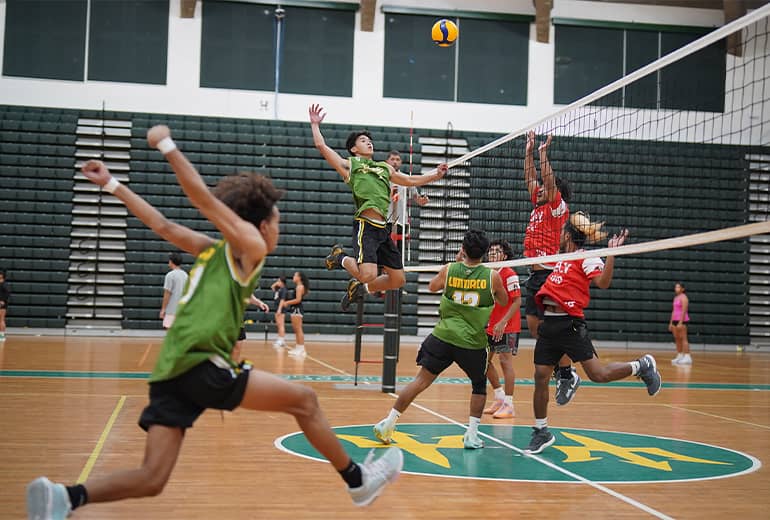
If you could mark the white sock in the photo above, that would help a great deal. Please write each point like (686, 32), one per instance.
(508, 400)
(393, 416)
(342, 262)
(541, 423)
(366, 286)
(299, 347)
(634, 368)
(679, 355)
(499, 393)
(473, 424)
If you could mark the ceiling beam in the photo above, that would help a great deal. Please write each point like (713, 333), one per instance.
(734, 9)
(187, 8)
(543, 19)
(367, 15)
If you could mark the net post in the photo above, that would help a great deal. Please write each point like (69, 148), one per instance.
(359, 333)
(391, 340)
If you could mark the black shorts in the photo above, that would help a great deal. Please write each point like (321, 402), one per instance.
(242, 334)
(436, 356)
(373, 245)
(559, 335)
(508, 343)
(533, 284)
(179, 402)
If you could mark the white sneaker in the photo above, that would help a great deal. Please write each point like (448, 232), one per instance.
(383, 430)
(298, 352)
(686, 360)
(47, 501)
(677, 359)
(279, 344)
(376, 475)
(472, 442)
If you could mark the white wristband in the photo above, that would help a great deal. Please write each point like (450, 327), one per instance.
(166, 145)
(111, 185)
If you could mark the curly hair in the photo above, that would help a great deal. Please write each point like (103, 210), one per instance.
(504, 245)
(250, 195)
(350, 142)
(475, 244)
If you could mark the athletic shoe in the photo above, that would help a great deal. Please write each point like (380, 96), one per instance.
(47, 501)
(686, 360)
(383, 430)
(504, 412)
(495, 406)
(677, 359)
(279, 344)
(334, 258)
(541, 439)
(472, 442)
(298, 352)
(648, 373)
(566, 388)
(376, 475)
(354, 293)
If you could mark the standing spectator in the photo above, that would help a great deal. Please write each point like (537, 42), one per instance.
(279, 295)
(296, 312)
(398, 217)
(173, 285)
(5, 295)
(677, 325)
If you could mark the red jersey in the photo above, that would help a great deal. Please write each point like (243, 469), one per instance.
(511, 284)
(568, 285)
(544, 229)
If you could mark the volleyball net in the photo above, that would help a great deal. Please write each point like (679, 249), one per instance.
(676, 151)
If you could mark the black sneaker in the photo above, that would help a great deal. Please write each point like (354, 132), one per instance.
(541, 439)
(334, 258)
(566, 388)
(355, 293)
(648, 373)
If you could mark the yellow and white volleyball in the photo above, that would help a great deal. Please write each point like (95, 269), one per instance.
(592, 230)
(444, 33)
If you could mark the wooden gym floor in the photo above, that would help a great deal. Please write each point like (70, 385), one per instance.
(69, 405)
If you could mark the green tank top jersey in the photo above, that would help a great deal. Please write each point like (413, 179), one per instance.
(209, 315)
(465, 306)
(370, 183)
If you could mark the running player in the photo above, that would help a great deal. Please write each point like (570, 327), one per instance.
(194, 370)
(370, 183)
(563, 297)
(469, 291)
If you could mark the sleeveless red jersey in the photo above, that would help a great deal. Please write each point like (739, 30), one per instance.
(568, 285)
(511, 284)
(544, 229)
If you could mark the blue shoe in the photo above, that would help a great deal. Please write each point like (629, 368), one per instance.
(377, 474)
(541, 439)
(47, 501)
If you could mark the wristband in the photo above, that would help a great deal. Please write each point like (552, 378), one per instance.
(166, 145)
(111, 185)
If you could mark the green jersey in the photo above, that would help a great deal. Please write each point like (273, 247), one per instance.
(370, 184)
(466, 304)
(209, 315)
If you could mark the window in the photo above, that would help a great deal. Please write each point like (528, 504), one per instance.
(45, 39)
(239, 43)
(590, 57)
(488, 64)
(128, 41)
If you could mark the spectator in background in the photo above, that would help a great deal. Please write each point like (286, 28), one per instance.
(677, 325)
(279, 295)
(5, 295)
(398, 218)
(294, 307)
(173, 285)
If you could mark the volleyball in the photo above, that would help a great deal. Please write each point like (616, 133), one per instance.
(444, 33)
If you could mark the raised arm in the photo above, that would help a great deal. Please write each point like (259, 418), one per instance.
(182, 237)
(546, 172)
(417, 180)
(530, 173)
(334, 159)
(604, 280)
(246, 241)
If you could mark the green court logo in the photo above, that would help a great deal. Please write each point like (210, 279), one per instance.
(595, 455)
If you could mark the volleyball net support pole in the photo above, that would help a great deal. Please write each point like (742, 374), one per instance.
(392, 338)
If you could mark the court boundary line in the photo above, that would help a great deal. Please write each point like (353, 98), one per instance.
(722, 417)
(100, 443)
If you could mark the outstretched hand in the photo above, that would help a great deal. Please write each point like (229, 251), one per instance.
(618, 239)
(441, 170)
(543, 147)
(316, 115)
(530, 141)
(156, 134)
(96, 172)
